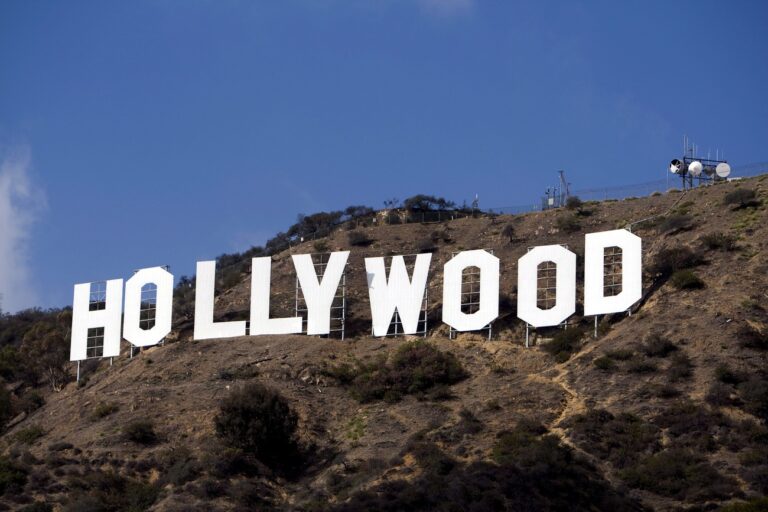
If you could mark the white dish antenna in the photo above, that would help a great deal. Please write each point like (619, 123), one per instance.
(723, 170)
(695, 168)
(675, 166)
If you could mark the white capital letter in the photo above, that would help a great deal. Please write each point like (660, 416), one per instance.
(489, 290)
(132, 330)
(399, 292)
(261, 270)
(205, 327)
(319, 295)
(595, 301)
(527, 286)
(108, 318)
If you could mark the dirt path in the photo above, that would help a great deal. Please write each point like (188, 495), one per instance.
(574, 404)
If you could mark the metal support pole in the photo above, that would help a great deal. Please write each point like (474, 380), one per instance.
(527, 331)
(595, 326)
(426, 303)
(78, 372)
(110, 361)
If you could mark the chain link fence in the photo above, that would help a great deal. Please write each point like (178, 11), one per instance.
(401, 216)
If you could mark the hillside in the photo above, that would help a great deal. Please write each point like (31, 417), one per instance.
(665, 410)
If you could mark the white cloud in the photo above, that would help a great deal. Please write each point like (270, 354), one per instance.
(447, 8)
(20, 203)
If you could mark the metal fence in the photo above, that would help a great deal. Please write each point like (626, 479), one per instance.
(400, 216)
(627, 191)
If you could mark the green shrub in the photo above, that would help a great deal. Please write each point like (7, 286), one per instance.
(425, 245)
(685, 207)
(468, 422)
(526, 447)
(679, 474)
(108, 491)
(29, 434)
(620, 439)
(431, 459)
(252, 495)
(6, 406)
(656, 345)
(568, 224)
(415, 368)
(60, 446)
(680, 369)
(754, 393)
(675, 223)
(727, 375)
(320, 245)
(564, 343)
(10, 362)
(668, 261)
(719, 394)
(753, 505)
(12, 476)
(656, 390)
(620, 354)
(37, 506)
(719, 241)
(686, 280)
(750, 337)
(441, 235)
(604, 363)
(741, 198)
(691, 425)
(103, 409)
(140, 431)
(210, 488)
(641, 366)
(31, 401)
(258, 420)
(245, 372)
(573, 203)
(179, 467)
(358, 239)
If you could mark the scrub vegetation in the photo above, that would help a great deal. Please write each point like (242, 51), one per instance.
(416, 368)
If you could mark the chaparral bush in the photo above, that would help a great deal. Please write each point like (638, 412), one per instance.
(415, 368)
(258, 420)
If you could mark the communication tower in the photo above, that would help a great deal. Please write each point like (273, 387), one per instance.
(557, 196)
(691, 166)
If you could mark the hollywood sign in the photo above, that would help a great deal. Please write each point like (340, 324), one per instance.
(388, 293)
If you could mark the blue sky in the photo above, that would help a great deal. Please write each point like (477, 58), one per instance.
(142, 133)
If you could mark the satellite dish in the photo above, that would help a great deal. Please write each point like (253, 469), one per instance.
(709, 170)
(695, 168)
(723, 170)
(675, 166)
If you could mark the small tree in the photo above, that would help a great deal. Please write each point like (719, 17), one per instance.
(508, 232)
(259, 421)
(422, 202)
(358, 239)
(573, 203)
(45, 349)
